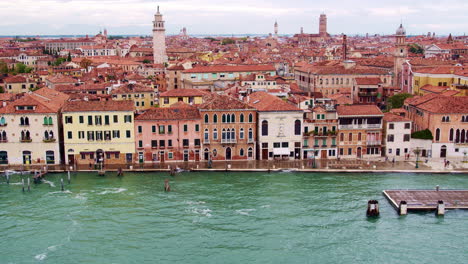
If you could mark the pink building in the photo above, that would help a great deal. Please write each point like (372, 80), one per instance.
(168, 134)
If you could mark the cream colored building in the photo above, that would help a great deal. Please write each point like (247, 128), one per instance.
(99, 132)
(29, 129)
(279, 127)
(18, 84)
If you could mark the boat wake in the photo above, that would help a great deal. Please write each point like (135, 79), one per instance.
(245, 211)
(66, 191)
(112, 190)
(48, 182)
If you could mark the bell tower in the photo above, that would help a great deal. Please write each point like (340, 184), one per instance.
(401, 54)
(323, 25)
(276, 29)
(159, 39)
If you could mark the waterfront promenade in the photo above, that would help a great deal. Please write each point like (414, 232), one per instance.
(376, 165)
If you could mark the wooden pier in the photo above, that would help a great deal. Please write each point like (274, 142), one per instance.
(428, 199)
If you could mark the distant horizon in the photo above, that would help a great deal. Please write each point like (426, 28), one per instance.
(247, 17)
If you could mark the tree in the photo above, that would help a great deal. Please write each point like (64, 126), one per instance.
(423, 134)
(415, 48)
(3, 67)
(146, 61)
(227, 41)
(397, 100)
(59, 61)
(1, 89)
(69, 58)
(85, 63)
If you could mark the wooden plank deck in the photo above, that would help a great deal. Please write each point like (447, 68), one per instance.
(427, 199)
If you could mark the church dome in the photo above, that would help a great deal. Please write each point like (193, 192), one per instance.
(401, 30)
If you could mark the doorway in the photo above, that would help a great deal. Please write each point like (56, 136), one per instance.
(323, 154)
(26, 157)
(228, 153)
(359, 152)
(443, 151)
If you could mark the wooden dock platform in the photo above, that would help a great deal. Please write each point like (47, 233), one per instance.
(428, 199)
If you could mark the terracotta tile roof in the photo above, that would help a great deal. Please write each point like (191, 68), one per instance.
(368, 81)
(441, 104)
(45, 100)
(15, 79)
(341, 70)
(231, 68)
(341, 99)
(434, 89)
(182, 92)
(391, 117)
(171, 113)
(60, 79)
(132, 88)
(222, 102)
(358, 110)
(93, 106)
(266, 102)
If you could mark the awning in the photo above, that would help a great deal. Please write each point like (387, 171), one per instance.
(280, 151)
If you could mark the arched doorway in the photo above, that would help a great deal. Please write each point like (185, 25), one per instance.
(228, 153)
(443, 151)
(359, 152)
(206, 154)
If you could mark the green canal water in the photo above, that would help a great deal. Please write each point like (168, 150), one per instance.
(226, 218)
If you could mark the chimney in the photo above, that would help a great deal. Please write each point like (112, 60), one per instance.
(345, 48)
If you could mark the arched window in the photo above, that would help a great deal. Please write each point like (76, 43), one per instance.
(223, 135)
(250, 118)
(463, 119)
(241, 133)
(437, 135)
(207, 119)
(264, 128)
(2, 121)
(228, 118)
(241, 152)
(215, 118)
(457, 136)
(51, 134)
(206, 135)
(26, 121)
(233, 118)
(350, 137)
(50, 121)
(215, 134)
(250, 134)
(342, 137)
(4, 136)
(250, 153)
(223, 119)
(241, 118)
(443, 119)
(22, 121)
(297, 127)
(233, 134)
(333, 81)
(46, 120)
(46, 135)
(359, 136)
(462, 136)
(228, 134)
(451, 135)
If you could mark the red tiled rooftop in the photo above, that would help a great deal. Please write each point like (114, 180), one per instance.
(358, 110)
(266, 102)
(94, 106)
(230, 68)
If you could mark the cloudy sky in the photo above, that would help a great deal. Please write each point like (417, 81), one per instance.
(42, 17)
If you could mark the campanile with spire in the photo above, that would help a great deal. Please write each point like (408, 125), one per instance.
(159, 39)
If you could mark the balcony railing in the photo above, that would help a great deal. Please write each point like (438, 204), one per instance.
(228, 141)
(3, 140)
(373, 143)
(25, 139)
(3, 125)
(206, 141)
(250, 140)
(367, 94)
(49, 140)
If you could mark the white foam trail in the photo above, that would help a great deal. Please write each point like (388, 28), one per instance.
(265, 206)
(193, 203)
(244, 211)
(113, 190)
(205, 212)
(49, 182)
(16, 183)
(41, 256)
(81, 196)
(66, 191)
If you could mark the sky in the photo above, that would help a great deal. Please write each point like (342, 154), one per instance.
(76, 17)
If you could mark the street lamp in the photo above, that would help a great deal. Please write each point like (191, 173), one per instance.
(417, 151)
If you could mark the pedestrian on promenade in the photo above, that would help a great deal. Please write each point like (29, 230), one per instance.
(393, 161)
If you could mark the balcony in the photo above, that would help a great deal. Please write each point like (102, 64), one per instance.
(367, 94)
(25, 140)
(250, 140)
(3, 140)
(228, 141)
(3, 125)
(206, 141)
(49, 140)
(373, 143)
(360, 126)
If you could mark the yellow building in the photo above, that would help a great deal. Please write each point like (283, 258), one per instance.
(98, 132)
(455, 78)
(141, 95)
(18, 84)
(188, 96)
